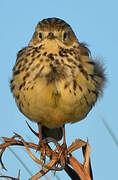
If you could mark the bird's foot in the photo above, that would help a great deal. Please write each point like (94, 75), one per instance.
(42, 148)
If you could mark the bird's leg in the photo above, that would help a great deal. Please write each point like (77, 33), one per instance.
(63, 151)
(40, 132)
(64, 146)
(64, 136)
(41, 143)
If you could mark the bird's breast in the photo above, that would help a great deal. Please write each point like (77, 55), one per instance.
(52, 88)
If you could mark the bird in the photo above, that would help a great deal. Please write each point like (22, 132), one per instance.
(55, 80)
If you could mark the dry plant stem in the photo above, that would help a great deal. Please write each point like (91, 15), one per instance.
(29, 152)
(12, 142)
(73, 175)
(35, 133)
(9, 177)
(86, 152)
(12, 178)
(87, 163)
(44, 170)
(36, 159)
(57, 156)
(79, 168)
(76, 145)
(1, 153)
(84, 171)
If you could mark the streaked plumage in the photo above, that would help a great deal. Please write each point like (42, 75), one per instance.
(55, 80)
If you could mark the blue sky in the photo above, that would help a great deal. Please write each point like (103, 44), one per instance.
(94, 22)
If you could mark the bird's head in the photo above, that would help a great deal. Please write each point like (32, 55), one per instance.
(53, 29)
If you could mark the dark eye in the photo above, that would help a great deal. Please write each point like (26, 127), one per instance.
(65, 35)
(40, 35)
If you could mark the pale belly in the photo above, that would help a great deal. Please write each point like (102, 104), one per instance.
(53, 105)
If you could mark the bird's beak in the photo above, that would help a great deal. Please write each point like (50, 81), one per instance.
(51, 35)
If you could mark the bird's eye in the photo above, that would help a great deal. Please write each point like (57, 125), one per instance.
(40, 35)
(65, 35)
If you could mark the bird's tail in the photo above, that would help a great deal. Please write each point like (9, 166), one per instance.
(55, 133)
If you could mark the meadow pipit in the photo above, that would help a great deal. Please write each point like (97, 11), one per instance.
(55, 80)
